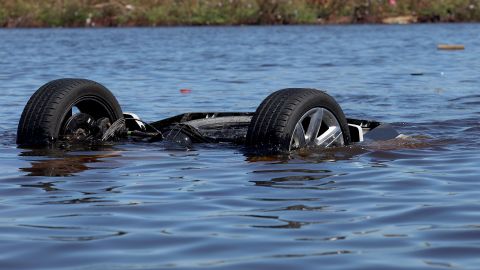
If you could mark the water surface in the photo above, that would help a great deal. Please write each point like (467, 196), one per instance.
(407, 204)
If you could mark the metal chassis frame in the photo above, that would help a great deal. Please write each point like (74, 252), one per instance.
(232, 127)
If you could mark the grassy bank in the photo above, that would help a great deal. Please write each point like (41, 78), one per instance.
(84, 13)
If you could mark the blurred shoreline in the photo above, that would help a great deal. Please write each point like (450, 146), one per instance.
(122, 13)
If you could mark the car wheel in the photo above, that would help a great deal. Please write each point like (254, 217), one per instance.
(296, 118)
(61, 104)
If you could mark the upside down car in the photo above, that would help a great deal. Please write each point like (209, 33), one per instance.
(83, 111)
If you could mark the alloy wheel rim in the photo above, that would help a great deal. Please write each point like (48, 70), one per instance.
(318, 127)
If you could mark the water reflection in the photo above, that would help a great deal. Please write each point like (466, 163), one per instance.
(72, 233)
(335, 154)
(46, 186)
(57, 162)
(289, 224)
(296, 182)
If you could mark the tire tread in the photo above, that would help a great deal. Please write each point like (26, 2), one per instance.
(268, 127)
(38, 116)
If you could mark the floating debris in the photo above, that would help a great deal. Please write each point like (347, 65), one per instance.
(451, 47)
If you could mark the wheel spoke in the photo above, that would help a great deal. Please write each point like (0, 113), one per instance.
(299, 136)
(314, 126)
(330, 136)
(318, 127)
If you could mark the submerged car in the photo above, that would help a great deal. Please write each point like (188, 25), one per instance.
(80, 110)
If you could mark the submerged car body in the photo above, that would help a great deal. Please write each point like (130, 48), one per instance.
(81, 110)
(232, 127)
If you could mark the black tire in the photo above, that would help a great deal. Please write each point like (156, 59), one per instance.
(273, 123)
(51, 105)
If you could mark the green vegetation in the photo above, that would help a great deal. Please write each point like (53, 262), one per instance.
(80, 13)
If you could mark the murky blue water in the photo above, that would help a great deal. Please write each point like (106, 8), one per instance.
(413, 204)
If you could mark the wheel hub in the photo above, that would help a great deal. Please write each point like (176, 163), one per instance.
(318, 127)
(83, 127)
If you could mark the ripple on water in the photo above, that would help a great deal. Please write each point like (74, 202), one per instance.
(408, 203)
